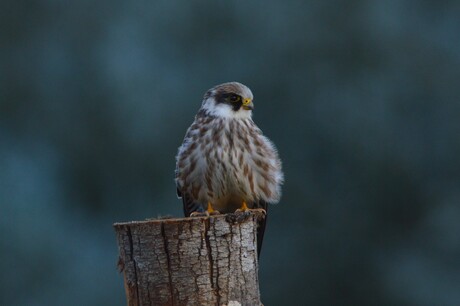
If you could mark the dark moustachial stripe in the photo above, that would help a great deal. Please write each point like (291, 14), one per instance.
(237, 106)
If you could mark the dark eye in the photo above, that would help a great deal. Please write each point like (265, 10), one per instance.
(234, 98)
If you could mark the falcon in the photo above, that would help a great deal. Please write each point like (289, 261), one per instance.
(225, 164)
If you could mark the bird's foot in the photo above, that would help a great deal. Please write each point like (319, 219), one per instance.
(259, 210)
(199, 214)
(211, 210)
(244, 212)
(244, 208)
(208, 212)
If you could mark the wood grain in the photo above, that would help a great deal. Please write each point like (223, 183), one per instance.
(190, 261)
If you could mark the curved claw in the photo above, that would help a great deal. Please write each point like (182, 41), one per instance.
(261, 210)
(199, 214)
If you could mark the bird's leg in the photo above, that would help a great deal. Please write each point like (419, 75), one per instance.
(244, 208)
(211, 210)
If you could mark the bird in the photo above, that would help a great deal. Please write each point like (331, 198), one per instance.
(225, 164)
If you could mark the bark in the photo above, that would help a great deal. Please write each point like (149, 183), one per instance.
(190, 261)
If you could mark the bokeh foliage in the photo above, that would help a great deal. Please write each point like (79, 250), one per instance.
(360, 97)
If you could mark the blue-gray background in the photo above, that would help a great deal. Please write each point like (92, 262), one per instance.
(360, 97)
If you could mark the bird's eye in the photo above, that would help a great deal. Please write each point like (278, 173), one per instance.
(235, 98)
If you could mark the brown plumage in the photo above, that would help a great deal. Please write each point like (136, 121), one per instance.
(225, 162)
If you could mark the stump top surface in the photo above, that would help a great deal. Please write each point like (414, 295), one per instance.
(232, 217)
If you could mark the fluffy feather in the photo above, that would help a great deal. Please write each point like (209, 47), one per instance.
(225, 159)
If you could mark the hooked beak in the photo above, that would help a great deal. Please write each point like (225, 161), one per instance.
(247, 104)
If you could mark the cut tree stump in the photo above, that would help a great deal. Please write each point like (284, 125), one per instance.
(190, 261)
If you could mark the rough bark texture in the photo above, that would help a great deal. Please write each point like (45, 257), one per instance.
(190, 261)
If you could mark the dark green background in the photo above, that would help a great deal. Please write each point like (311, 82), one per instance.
(362, 99)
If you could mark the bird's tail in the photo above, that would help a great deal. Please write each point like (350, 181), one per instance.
(261, 226)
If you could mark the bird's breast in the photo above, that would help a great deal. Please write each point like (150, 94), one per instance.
(228, 161)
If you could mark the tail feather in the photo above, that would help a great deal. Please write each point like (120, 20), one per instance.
(188, 204)
(261, 225)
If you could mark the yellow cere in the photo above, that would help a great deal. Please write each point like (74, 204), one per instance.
(247, 101)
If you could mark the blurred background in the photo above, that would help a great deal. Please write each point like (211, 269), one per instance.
(362, 99)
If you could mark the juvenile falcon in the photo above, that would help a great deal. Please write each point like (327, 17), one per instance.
(225, 163)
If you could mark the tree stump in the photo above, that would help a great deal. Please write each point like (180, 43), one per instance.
(190, 261)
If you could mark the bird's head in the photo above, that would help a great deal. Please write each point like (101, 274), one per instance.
(229, 100)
